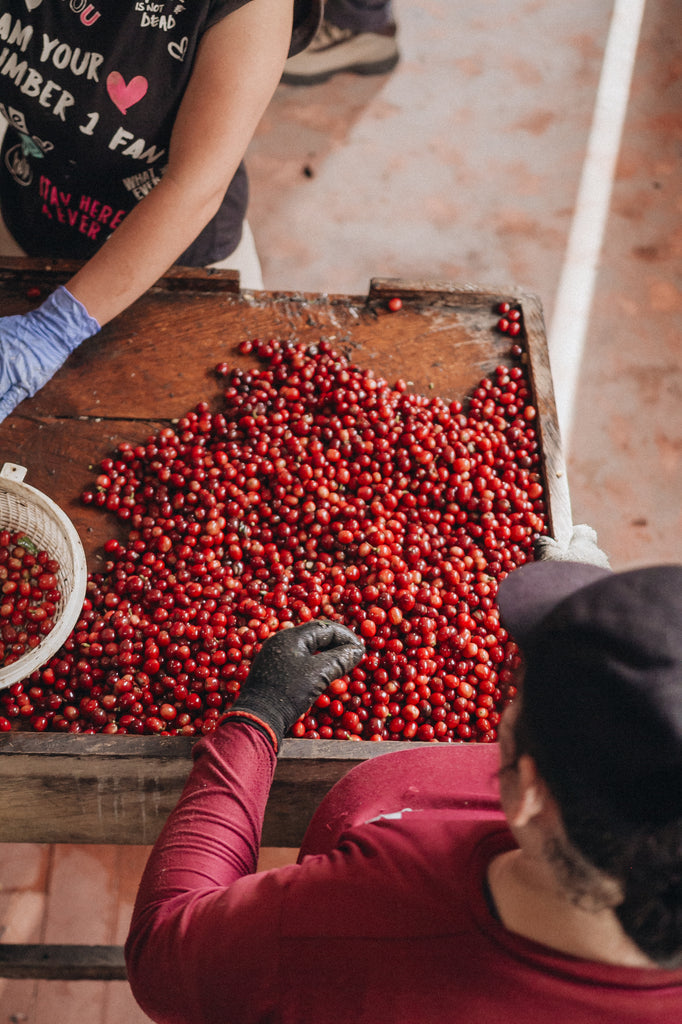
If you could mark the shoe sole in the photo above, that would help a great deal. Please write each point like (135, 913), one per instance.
(380, 67)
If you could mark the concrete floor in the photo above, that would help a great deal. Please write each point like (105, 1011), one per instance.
(486, 159)
(493, 155)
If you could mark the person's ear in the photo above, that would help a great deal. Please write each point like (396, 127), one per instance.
(531, 793)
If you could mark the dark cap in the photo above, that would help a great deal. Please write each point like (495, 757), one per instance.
(602, 690)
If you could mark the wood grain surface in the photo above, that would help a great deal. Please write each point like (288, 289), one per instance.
(144, 371)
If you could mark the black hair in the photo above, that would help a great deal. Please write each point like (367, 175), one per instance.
(644, 859)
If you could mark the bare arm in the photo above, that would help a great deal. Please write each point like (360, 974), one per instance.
(238, 67)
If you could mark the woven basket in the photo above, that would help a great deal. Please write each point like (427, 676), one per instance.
(27, 510)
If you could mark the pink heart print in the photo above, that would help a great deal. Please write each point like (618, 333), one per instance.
(124, 96)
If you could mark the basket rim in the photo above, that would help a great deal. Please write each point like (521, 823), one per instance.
(50, 644)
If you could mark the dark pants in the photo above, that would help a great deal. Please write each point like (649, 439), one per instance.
(359, 15)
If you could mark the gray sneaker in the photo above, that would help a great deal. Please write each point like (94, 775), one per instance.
(336, 49)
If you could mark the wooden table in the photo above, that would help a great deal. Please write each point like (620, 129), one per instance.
(144, 370)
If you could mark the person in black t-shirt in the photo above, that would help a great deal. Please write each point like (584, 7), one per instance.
(126, 127)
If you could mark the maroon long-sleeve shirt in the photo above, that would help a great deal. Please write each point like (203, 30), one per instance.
(384, 919)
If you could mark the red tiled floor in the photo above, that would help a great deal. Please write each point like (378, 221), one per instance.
(75, 894)
(625, 467)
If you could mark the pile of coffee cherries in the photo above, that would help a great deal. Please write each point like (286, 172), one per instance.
(29, 595)
(317, 490)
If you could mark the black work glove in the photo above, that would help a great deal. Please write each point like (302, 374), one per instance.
(291, 670)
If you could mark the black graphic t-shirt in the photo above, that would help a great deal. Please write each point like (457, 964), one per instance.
(90, 90)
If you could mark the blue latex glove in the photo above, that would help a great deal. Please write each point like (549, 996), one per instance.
(34, 345)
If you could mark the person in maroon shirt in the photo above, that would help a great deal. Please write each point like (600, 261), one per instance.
(535, 880)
